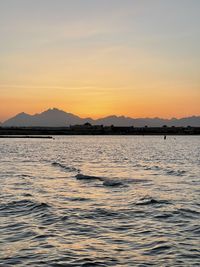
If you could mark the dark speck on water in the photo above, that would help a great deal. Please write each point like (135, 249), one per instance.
(100, 201)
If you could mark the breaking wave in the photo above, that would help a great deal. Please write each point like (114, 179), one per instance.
(151, 201)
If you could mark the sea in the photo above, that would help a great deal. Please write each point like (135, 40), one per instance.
(100, 201)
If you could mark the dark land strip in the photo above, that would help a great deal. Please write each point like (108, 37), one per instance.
(47, 132)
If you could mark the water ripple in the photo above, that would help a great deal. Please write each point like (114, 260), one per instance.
(100, 201)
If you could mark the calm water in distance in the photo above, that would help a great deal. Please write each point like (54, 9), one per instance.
(100, 201)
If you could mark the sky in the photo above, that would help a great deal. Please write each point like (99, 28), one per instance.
(137, 58)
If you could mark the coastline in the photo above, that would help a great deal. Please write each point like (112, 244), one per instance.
(47, 132)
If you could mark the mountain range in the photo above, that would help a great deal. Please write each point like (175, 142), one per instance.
(58, 118)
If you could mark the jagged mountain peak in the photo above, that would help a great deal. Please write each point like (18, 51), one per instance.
(54, 117)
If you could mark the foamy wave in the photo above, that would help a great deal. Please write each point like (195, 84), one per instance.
(151, 201)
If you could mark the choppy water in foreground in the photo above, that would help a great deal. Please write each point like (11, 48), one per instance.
(100, 201)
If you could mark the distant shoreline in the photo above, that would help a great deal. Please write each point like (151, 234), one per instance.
(25, 136)
(48, 132)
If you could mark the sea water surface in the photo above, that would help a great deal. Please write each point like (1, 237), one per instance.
(100, 201)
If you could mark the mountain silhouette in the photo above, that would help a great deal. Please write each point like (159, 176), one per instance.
(49, 118)
(58, 118)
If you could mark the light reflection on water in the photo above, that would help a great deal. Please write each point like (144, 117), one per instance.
(136, 204)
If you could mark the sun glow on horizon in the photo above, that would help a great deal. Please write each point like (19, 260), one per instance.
(96, 59)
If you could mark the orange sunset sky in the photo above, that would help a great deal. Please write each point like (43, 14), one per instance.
(95, 58)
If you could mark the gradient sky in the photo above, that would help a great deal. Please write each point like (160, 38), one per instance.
(95, 58)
